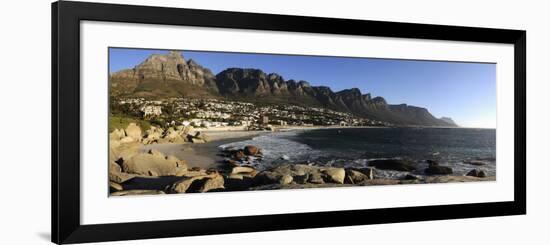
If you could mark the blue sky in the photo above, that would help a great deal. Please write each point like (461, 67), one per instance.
(463, 91)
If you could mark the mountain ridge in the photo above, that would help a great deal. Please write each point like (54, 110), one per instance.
(170, 75)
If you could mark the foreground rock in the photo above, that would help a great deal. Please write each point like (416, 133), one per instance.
(199, 183)
(335, 175)
(116, 175)
(392, 164)
(305, 174)
(133, 131)
(154, 163)
(357, 176)
(113, 187)
(198, 137)
(251, 150)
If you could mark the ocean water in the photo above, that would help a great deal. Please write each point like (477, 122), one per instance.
(354, 147)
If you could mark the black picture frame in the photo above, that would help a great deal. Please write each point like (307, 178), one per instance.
(66, 18)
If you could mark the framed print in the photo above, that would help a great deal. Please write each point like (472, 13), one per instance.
(175, 122)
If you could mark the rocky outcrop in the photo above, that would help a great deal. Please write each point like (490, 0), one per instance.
(133, 131)
(198, 183)
(163, 74)
(335, 175)
(198, 137)
(154, 163)
(137, 173)
(251, 150)
(354, 176)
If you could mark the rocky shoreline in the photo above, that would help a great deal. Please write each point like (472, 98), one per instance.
(132, 172)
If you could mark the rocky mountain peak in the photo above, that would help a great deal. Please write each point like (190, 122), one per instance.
(175, 53)
(350, 93)
(303, 83)
(379, 100)
(192, 62)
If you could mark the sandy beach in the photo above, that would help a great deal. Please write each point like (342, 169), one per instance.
(204, 155)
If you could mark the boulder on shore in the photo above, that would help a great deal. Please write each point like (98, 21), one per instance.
(213, 183)
(355, 176)
(275, 176)
(335, 175)
(117, 134)
(154, 163)
(251, 150)
(116, 175)
(198, 137)
(315, 178)
(242, 169)
(114, 187)
(199, 183)
(134, 131)
(392, 164)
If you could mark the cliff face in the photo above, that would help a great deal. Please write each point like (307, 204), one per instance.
(171, 75)
(163, 75)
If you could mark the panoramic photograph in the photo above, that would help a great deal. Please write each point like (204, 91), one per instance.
(187, 121)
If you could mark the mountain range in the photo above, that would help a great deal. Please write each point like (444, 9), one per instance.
(170, 75)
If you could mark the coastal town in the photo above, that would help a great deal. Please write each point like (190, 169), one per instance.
(214, 113)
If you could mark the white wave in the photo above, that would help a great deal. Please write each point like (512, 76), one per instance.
(277, 146)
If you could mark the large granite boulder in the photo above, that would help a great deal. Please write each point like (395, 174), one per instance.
(116, 175)
(133, 131)
(154, 163)
(199, 183)
(117, 134)
(335, 175)
(242, 169)
(152, 135)
(273, 177)
(251, 150)
(114, 187)
(355, 176)
(315, 178)
(198, 137)
(213, 183)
